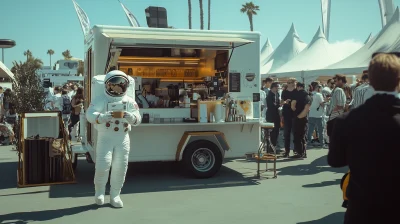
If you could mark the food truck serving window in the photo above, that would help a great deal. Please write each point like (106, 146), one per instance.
(171, 41)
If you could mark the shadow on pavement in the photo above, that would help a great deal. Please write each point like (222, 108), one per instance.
(150, 177)
(317, 166)
(46, 215)
(324, 184)
(8, 175)
(30, 193)
(335, 218)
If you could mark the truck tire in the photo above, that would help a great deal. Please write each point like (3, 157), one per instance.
(75, 163)
(201, 159)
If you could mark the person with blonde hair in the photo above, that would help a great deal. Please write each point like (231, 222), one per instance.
(366, 140)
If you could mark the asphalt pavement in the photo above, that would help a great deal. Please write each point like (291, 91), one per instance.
(305, 192)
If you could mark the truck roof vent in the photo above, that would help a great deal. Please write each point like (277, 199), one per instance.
(156, 17)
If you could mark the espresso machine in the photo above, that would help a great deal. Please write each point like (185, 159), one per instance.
(173, 94)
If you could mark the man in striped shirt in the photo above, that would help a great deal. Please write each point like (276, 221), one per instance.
(359, 92)
(338, 99)
(369, 92)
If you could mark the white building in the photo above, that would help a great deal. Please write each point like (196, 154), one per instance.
(65, 71)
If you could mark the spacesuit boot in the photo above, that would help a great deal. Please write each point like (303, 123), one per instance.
(115, 199)
(99, 195)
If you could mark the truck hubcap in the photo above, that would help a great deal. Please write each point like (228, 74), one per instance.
(203, 159)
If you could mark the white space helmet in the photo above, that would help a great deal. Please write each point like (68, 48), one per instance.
(116, 83)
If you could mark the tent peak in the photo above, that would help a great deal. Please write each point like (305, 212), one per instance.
(292, 29)
(318, 35)
(266, 45)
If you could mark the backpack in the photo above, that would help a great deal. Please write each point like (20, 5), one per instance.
(66, 105)
(343, 185)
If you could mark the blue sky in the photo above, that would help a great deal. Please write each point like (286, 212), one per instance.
(39, 25)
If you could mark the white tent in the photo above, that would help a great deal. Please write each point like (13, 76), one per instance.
(368, 39)
(266, 50)
(291, 46)
(5, 72)
(317, 55)
(387, 40)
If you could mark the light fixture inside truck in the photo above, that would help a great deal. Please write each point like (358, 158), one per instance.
(150, 62)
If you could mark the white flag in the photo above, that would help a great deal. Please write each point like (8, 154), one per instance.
(83, 18)
(326, 16)
(131, 18)
(387, 10)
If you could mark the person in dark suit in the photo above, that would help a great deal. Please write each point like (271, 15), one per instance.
(300, 106)
(367, 140)
(272, 116)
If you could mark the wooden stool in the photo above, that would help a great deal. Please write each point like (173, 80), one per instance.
(265, 145)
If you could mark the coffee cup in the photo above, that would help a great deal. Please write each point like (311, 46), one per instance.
(118, 114)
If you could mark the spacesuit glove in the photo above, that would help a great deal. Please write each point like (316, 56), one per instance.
(106, 117)
(130, 117)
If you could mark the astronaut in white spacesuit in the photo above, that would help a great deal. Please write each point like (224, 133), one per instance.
(113, 144)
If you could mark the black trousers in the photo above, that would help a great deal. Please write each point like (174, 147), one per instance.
(74, 120)
(287, 130)
(275, 132)
(358, 213)
(300, 136)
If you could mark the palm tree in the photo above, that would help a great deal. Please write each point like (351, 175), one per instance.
(27, 88)
(190, 13)
(209, 14)
(201, 15)
(35, 62)
(50, 52)
(28, 54)
(67, 55)
(250, 9)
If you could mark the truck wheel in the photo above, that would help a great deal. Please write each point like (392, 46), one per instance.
(75, 163)
(202, 159)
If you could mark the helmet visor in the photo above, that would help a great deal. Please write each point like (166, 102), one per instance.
(116, 86)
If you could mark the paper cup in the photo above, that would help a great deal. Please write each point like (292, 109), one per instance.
(118, 114)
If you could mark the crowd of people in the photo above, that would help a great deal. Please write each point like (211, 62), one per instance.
(67, 99)
(358, 122)
(8, 117)
(365, 140)
(302, 113)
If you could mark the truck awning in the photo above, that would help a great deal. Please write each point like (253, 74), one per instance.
(5, 72)
(176, 41)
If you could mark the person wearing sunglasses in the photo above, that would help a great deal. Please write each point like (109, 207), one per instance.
(288, 95)
(300, 106)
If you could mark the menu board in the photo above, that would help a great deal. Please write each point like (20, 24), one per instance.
(256, 97)
(234, 82)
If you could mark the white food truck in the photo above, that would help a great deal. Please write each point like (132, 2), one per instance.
(167, 64)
